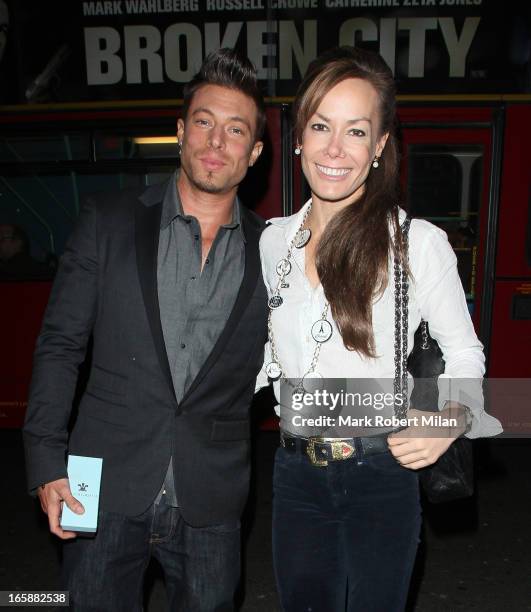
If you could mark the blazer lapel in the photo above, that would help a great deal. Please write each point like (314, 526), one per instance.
(250, 278)
(147, 228)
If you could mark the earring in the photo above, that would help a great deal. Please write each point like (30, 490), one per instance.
(180, 147)
(376, 162)
(298, 150)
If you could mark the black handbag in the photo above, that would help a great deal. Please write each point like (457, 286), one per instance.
(451, 477)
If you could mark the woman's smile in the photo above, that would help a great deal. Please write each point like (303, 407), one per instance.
(333, 173)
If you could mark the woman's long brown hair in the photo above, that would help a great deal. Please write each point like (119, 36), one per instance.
(353, 254)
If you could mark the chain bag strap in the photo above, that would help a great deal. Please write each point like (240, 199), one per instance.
(451, 476)
(401, 325)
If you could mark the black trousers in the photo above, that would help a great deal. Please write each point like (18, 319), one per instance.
(345, 536)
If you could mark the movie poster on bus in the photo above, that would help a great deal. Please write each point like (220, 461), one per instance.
(74, 50)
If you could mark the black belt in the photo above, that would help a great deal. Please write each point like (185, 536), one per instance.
(322, 450)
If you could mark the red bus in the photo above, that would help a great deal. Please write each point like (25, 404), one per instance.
(87, 95)
(466, 166)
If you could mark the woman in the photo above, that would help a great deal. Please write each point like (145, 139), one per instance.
(346, 529)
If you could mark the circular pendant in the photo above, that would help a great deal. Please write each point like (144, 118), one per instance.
(309, 383)
(321, 330)
(283, 267)
(302, 238)
(273, 370)
(275, 301)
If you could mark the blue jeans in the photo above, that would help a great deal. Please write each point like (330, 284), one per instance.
(345, 536)
(201, 564)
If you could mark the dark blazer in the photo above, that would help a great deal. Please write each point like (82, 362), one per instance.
(106, 286)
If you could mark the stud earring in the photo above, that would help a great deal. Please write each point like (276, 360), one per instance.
(376, 161)
(298, 150)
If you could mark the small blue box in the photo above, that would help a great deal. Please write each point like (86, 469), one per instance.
(84, 475)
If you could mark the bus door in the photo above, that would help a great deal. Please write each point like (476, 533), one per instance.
(446, 174)
(510, 338)
(510, 354)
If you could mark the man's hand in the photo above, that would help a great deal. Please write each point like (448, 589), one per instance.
(417, 446)
(52, 495)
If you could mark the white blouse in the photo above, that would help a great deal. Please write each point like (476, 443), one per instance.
(435, 295)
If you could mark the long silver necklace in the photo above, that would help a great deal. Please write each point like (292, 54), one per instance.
(321, 329)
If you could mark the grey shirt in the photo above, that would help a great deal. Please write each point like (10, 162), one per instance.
(194, 304)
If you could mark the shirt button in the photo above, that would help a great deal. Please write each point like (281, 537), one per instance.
(183, 345)
(207, 260)
(164, 492)
(192, 277)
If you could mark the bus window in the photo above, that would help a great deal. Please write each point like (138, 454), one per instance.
(146, 145)
(43, 208)
(444, 187)
(45, 148)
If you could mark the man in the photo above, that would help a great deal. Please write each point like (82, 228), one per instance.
(169, 285)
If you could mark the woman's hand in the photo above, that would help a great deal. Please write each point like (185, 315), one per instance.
(420, 445)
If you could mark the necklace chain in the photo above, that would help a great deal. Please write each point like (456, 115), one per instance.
(282, 275)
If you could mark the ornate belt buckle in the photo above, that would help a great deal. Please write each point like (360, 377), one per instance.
(342, 449)
(310, 451)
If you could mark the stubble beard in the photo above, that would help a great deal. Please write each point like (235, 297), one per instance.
(207, 185)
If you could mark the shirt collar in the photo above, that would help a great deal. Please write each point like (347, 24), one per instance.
(172, 208)
(292, 223)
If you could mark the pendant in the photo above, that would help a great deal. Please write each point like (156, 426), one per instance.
(283, 267)
(321, 330)
(275, 301)
(273, 370)
(302, 238)
(312, 380)
(284, 285)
